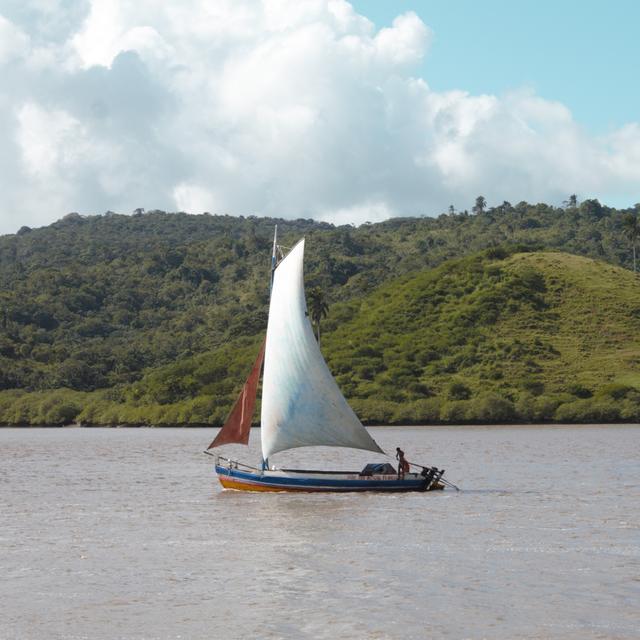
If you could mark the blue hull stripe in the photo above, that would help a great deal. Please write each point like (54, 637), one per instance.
(322, 483)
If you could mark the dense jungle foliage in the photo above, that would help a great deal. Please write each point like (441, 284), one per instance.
(155, 318)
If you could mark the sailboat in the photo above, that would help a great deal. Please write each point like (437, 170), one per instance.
(302, 405)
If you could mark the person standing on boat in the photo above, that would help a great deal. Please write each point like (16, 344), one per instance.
(403, 465)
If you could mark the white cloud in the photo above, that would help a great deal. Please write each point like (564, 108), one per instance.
(48, 140)
(14, 43)
(404, 42)
(282, 107)
(193, 198)
(111, 29)
(624, 159)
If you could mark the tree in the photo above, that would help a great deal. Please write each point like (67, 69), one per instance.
(318, 308)
(573, 200)
(592, 208)
(480, 205)
(631, 226)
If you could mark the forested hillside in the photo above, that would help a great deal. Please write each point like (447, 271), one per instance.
(155, 317)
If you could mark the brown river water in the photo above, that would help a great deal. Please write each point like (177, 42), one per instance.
(125, 533)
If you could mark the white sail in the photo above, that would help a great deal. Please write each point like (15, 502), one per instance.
(301, 402)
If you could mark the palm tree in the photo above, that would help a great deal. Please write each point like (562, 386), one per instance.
(318, 308)
(480, 205)
(631, 226)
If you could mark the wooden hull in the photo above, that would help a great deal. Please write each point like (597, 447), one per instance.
(317, 481)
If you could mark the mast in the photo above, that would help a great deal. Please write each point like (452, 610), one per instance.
(273, 256)
(265, 461)
(238, 424)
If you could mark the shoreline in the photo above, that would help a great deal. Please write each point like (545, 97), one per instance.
(399, 426)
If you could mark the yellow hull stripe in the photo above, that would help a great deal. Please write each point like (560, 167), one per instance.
(245, 486)
(232, 483)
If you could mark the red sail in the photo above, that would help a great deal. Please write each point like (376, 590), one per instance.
(236, 428)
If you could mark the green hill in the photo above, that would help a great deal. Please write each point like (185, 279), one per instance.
(97, 302)
(497, 336)
(531, 336)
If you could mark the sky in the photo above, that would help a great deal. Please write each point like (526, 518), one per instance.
(345, 112)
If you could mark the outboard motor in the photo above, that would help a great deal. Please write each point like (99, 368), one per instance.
(431, 475)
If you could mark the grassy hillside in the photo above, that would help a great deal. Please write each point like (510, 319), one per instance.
(530, 336)
(492, 337)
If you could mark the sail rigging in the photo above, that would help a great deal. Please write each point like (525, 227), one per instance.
(238, 425)
(301, 402)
